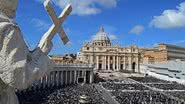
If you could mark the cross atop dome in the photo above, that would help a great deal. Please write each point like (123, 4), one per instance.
(101, 29)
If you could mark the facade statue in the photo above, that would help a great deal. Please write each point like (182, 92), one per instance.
(20, 67)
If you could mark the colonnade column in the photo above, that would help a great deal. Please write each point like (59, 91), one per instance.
(91, 77)
(54, 78)
(46, 81)
(62, 80)
(39, 83)
(85, 76)
(70, 80)
(49, 79)
(43, 81)
(75, 77)
(58, 78)
(66, 82)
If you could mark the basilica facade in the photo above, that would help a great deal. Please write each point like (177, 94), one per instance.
(106, 56)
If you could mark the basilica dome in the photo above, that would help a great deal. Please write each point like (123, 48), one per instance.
(101, 38)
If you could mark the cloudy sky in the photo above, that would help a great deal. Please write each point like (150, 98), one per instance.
(142, 22)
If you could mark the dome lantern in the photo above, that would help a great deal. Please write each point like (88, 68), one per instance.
(102, 29)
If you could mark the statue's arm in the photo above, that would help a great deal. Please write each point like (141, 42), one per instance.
(45, 44)
(5, 27)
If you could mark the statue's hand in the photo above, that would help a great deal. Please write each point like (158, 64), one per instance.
(46, 47)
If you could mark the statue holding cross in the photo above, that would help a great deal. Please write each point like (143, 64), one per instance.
(20, 67)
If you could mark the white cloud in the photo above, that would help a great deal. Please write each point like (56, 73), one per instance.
(172, 18)
(179, 41)
(112, 37)
(40, 24)
(138, 29)
(85, 7)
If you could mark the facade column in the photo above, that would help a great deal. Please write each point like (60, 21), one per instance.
(124, 62)
(108, 62)
(97, 62)
(114, 59)
(91, 58)
(130, 63)
(117, 63)
(104, 62)
(138, 63)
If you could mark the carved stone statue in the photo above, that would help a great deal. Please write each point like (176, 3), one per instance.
(19, 67)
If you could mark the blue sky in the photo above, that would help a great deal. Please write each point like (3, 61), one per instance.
(141, 22)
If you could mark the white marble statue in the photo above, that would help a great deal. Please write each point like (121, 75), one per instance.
(19, 67)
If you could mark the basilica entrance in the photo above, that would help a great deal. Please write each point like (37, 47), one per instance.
(100, 66)
(134, 67)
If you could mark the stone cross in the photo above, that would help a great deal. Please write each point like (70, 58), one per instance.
(57, 22)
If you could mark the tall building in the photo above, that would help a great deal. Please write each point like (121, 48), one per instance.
(163, 53)
(105, 56)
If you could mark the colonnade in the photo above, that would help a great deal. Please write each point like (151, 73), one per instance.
(65, 75)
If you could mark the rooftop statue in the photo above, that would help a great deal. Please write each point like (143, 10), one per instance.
(20, 67)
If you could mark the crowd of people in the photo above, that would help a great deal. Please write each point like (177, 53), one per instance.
(122, 86)
(132, 92)
(178, 94)
(168, 86)
(148, 79)
(67, 95)
(142, 97)
(125, 91)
